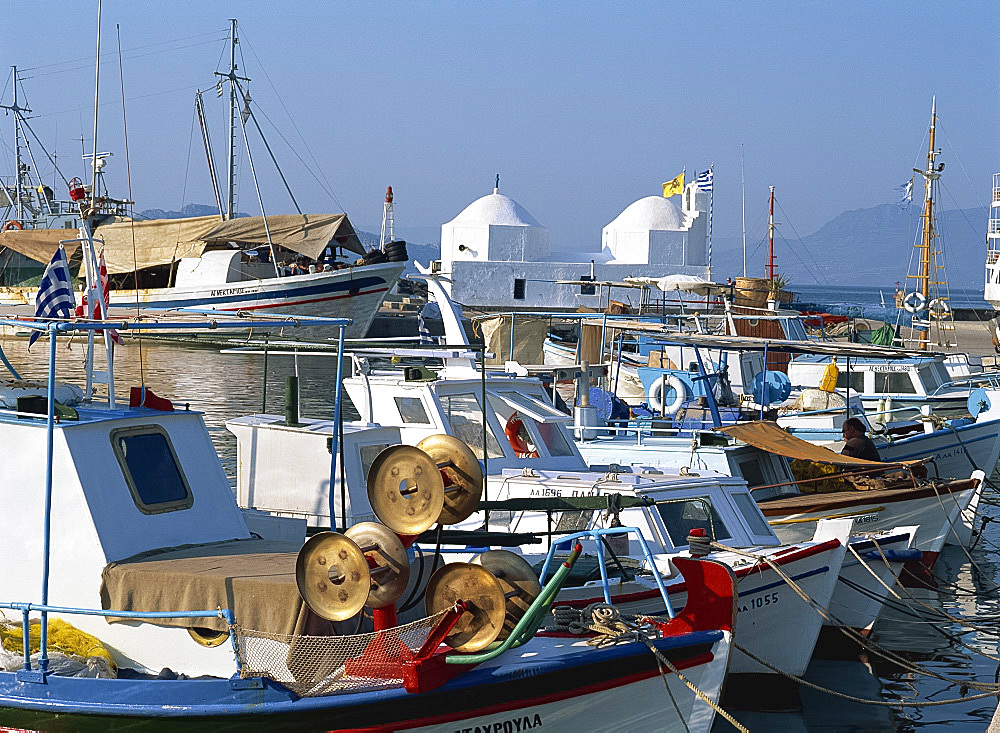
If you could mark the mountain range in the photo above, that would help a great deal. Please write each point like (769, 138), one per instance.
(872, 246)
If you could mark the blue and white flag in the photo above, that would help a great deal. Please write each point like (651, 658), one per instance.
(906, 190)
(704, 180)
(55, 292)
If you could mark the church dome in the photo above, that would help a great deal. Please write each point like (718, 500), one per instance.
(649, 213)
(494, 208)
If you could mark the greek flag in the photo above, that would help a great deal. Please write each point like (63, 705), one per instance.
(906, 190)
(55, 292)
(429, 310)
(704, 180)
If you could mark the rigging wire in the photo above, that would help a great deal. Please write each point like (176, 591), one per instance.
(788, 220)
(128, 175)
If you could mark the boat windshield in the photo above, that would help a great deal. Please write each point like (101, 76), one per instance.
(465, 418)
(524, 431)
(681, 516)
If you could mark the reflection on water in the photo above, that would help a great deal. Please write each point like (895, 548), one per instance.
(222, 386)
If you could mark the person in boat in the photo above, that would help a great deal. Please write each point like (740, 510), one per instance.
(301, 265)
(856, 443)
(898, 295)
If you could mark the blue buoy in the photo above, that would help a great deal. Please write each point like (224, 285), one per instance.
(774, 390)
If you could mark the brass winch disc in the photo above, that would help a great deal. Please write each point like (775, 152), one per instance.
(405, 489)
(332, 575)
(384, 548)
(517, 580)
(462, 468)
(483, 620)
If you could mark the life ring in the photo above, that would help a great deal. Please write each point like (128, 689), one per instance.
(939, 308)
(13, 224)
(513, 432)
(914, 302)
(656, 394)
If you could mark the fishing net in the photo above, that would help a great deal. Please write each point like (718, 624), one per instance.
(324, 665)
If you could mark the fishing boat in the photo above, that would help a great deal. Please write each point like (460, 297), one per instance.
(310, 264)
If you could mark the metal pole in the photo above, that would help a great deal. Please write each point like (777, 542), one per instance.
(50, 425)
(335, 439)
(260, 200)
(231, 160)
(763, 383)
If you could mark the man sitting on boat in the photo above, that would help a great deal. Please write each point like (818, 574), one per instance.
(856, 443)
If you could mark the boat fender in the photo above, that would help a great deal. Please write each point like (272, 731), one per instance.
(914, 302)
(939, 308)
(513, 432)
(13, 224)
(656, 395)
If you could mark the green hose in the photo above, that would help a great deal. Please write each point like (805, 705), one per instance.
(530, 621)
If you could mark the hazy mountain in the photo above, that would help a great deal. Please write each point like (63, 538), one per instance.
(870, 246)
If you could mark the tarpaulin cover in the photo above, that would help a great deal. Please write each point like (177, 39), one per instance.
(253, 578)
(529, 336)
(307, 234)
(769, 436)
(133, 245)
(39, 244)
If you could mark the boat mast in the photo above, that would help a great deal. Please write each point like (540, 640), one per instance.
(199, 106)
(743, 207)
(923, 275)
(18, 193)
(231, 159)
(770, 237)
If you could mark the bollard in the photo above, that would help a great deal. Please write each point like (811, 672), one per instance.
(292, 401)
(698, 542)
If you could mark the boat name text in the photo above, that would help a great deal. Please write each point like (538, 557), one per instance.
(511, 725)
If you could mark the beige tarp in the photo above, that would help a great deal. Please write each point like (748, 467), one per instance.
(529, 335)
(39, 244)
(768, 436)
(156, 242)
(308, 234)
(253, 578)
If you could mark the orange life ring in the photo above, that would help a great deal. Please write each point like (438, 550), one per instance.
(512, 430)
(13, 224)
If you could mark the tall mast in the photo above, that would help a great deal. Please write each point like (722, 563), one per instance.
(231, 159)
(18, 134)
(930, 175)
(770, 236)
(743, 207)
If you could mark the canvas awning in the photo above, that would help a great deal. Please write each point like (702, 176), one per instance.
(133, 245)
(682, 283)
(307, 234)
(768, 436)
(39, 244)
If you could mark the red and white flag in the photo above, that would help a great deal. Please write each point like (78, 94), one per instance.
(81, 310)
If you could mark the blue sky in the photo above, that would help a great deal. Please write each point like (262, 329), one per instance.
(581, 107)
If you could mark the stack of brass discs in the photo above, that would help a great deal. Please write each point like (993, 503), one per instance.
(332, 575)
(483, 619)
(387, 560)
(405, 489)
(462, 474)
(517, 580)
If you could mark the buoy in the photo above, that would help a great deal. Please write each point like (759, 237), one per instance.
(12, 224)
(512, 430)
(656, 396)
(914, 302)
(828, 382)
(939, 308)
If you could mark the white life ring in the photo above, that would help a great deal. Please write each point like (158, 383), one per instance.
(914, 302)
(656, 394)
(939, 308)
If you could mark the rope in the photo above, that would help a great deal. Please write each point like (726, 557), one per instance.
(612, 627)
(867, 644)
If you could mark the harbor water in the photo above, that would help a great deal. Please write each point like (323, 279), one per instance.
(931, 657)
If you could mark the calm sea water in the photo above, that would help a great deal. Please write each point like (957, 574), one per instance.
(228, 385)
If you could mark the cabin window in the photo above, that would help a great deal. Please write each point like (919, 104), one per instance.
(930, 377)
(518, 288)
(752, 514)
(411, 410)
(894, 383)
(857, 381)
(506, 405)
(680, 517)
(368, 455)
(587, 289)
(752, 472)
(465, 418)
(151, 469)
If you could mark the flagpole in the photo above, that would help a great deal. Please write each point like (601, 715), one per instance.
(711, 201)
(743, 205)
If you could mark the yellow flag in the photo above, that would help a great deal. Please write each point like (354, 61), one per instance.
(673, 186)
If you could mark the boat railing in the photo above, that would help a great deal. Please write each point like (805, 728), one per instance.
(982, 379)
(28, 674)
(599, 535)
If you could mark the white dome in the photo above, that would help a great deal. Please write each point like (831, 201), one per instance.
(494, 208)
(649, 213)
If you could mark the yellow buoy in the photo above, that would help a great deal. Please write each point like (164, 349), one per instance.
(828, 382)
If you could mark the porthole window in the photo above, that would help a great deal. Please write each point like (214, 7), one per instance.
(151, 469)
